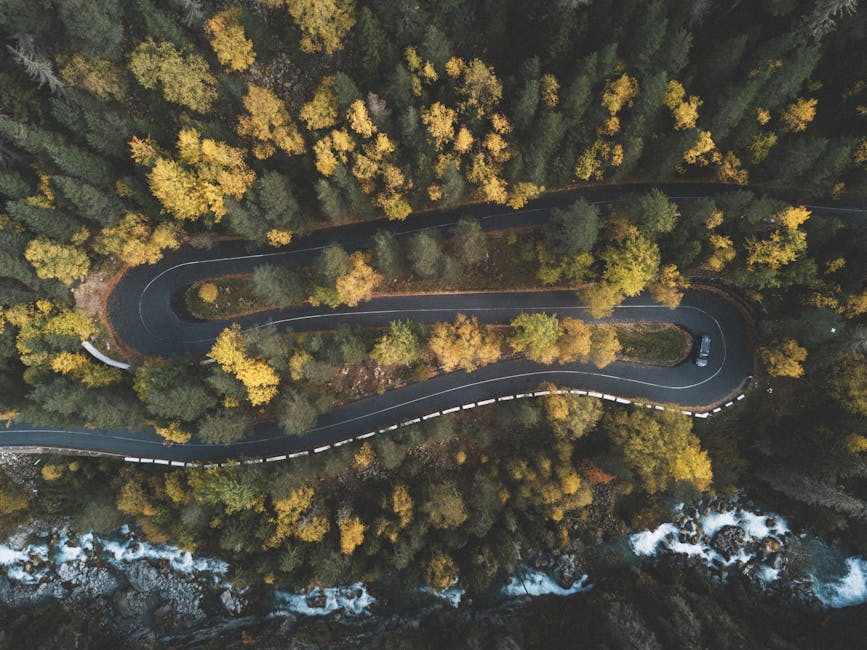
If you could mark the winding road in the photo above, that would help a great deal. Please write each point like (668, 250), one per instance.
(146, 313)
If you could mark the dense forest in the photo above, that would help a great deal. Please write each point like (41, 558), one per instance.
(129, 128)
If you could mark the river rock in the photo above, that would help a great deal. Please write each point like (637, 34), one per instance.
(566, 570)
(133, 604)
(771, 545)
(233, 603)
(316, 598)
(143, 576)
(728, 541)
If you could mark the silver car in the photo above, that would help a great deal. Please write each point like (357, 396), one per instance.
(703, 351)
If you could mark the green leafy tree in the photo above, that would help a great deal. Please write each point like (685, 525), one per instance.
(295, 414)
(470, 242)
(536, 335)
(425, 254)
(333, 262)
(173, 391)
(657, 215)
(387, 253)
(279, 285)
(223, 427)
(400, 344)
(444, 506)
(96, 27)
(572, 230)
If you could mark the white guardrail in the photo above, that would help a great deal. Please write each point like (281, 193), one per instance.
(87, 345)
(435, 414)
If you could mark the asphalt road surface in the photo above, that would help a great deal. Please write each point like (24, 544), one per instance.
(147, 314)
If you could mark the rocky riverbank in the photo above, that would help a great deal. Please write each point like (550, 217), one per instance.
(137, 590)
(122, 587)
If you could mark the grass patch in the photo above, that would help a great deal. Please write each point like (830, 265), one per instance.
(662, 344)
(511, 264)
(234, 297)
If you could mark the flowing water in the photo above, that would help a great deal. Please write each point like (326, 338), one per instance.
(838, 579)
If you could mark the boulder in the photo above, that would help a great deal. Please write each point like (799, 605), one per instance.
(728, 541)
(566, 570)
(143, 576)
(771, 545)
(233, 603)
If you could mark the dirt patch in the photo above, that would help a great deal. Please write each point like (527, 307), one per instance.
(92, 294)
(91, 298)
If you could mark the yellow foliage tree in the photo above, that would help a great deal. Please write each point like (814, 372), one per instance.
(480, 89)
(591, 162)
(440, 571)
(723, 252)
(730, 169)
(208, 292)
(693, 464)
(184, 77)
(288, 512)
(321, 111)
(278, 238)
(522, 192)
(440, 122)
(102, 77)
(351, 533)
(860, 153)
(67, 362)
(43, 319)
(226, 35)
(57, 261)
(685, 113)
(762, 144)
(669, 286)
(698, 153)
(230, 352)
(782, 247)
(799, 114)
(324, 24)
(358, 282)
(313, 528)
(793, 216)
(574, 342)
(174, 432)
(268, 122)
(604, 346)
(401, 504)
(207, 172)
(601, 298)
(135, 242)
(784, 358)
(359, 119)
(549, 88)
(464, 344)
(51, 472)
(619, 92)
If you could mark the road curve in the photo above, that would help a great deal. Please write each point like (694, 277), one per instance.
(145, 313)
